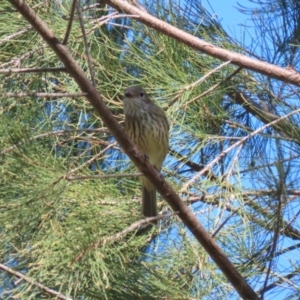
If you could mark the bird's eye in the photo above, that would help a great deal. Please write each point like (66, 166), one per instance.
(142, 94)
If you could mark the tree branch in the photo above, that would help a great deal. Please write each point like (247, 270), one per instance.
(31, 70)
(44, 95)
(283, 126)
(138, 158)
(240, 142)
(280, 281)
(115, 237)
(71, 178)
(31, 281)
(237, 59)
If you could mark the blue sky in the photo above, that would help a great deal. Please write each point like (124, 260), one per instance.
(228, 13)
(232, 20)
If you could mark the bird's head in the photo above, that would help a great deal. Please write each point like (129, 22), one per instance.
(135, 97)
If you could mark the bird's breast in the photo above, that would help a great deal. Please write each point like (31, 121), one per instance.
(149, 132)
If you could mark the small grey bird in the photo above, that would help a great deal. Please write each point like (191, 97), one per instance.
(148, 127)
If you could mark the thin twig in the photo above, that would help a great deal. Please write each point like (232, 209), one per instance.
(214, 87)
(224, 222)
(69, 27)
(285, 128)
(71, 178)
(281, 280)
(31, 70)
(105, 19)
(10, 37)
(115, 237)
(31, 281)
(194, 166)
(42, 95)
(240, 142)
(278, 223)
(88, 162)
(190, 86)
(287, 231)
(86, 46)
(254, 168)
(292, 220)
(16, 61)
(232, 163)
(254, 193)
(92, 6)
(46, 134)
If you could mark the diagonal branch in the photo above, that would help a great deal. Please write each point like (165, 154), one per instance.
(194, 42)
(283, 126)
(240, 142)
(185, 214)
(118, 236)
(47, 290)
(280, 281)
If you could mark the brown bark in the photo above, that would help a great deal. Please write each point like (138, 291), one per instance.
(237, 59)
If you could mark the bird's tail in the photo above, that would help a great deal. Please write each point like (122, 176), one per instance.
(149, 206)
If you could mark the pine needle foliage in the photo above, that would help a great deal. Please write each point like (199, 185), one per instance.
(59, 225)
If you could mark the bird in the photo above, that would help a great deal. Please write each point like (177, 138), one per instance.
(148, 127)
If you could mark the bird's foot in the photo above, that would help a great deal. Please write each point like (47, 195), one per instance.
(146, 157)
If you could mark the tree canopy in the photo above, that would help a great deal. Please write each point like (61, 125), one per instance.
(70, 221)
